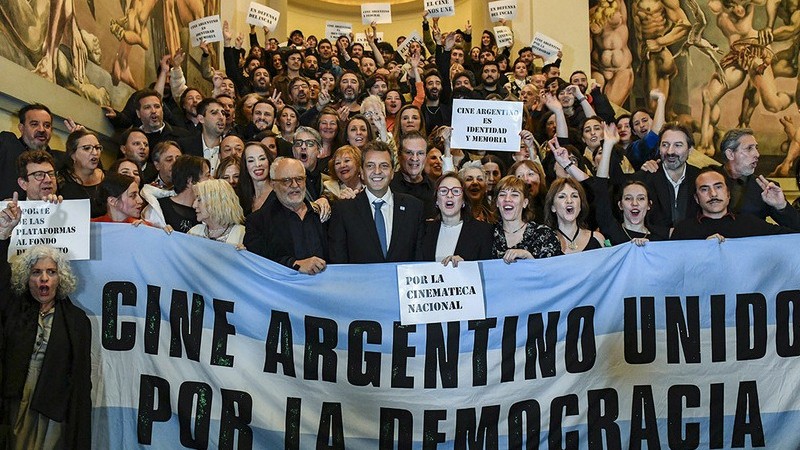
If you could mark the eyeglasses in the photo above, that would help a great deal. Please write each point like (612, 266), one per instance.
(456, 191)
(289, 181)
(308, 143)
(40, 174)
(89, 148)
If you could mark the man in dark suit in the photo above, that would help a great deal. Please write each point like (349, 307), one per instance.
(206, 143)
(671, 186)
(35, 127)
(377, 225)
(286, 229)
(749, 193)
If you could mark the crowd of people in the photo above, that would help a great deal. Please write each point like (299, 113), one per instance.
(337, 152)
(326, 152)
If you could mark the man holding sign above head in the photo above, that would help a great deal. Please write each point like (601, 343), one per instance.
(378, 225)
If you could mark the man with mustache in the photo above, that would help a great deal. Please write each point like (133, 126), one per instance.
(206, 143)
(264, 112)
(490, 74)
(305, 148)
(286, 229)
(437, 109)
(300, 94)
(349, 92)
(740, 150)
(150, 111)
(35, 127)
(715, 219)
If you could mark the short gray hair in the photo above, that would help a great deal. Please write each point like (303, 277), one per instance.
(731, 139)
(470, 165)
(21, 266)
(314, 133)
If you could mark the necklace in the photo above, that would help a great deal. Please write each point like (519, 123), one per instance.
(432, 112)
(572, 245)
(218, 237)
(515, 231)
(646, 233)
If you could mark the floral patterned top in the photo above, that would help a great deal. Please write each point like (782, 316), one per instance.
(539, 240)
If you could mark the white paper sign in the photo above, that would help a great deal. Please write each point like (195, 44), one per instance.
(440, 8)
(502, 9)
(432, 293)
(545, 46)
(376, 12)
(404, 50)
(361, 38)
(263, 16)
(207, 29)
(335, 29)
(486, 125)
(504, 36)
(64, 226)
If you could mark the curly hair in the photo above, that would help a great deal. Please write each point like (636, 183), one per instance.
(21, 266)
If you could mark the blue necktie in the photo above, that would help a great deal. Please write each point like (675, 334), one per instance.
(380, 224)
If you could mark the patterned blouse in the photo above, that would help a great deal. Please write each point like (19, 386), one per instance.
(539, 240)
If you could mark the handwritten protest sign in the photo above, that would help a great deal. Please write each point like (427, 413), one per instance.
(502, 9)
(486, 125)
(361, 38)
(545, 46)
(440, 8)
(263, 16)
(207, 29)
(376, 12)
(504, 36)
(404, 49)
(335, 29)
(431, 293)
(64, 226)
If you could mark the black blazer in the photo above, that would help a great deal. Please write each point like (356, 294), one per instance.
(474, 242)
(752, 203)
(661, 211)
(267, 232)
(352, 237)
(192, 145)
(64, 387)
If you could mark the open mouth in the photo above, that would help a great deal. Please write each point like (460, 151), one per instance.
(258, 172)
(44, 290)
(569, 209)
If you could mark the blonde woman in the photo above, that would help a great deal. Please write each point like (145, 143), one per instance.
(218, 212)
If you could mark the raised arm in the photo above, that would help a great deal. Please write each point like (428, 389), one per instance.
(161, 81)
(588, 111)
(372, 33)
(552, 103)
(660, 113)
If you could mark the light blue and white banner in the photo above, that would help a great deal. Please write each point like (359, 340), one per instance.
(689, 344)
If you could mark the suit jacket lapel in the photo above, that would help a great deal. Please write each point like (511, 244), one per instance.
(397, 219)
(367, 217)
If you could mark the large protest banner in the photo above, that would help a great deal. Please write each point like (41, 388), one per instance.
(679, 344)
